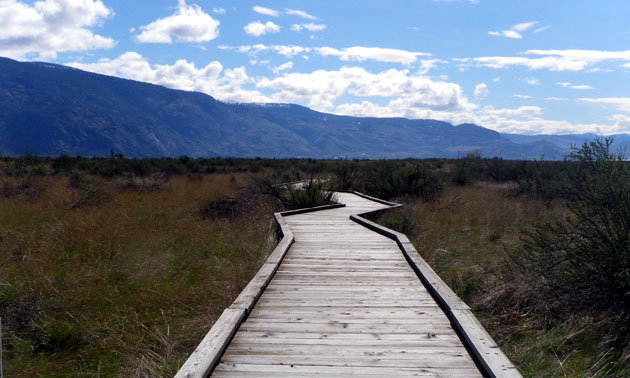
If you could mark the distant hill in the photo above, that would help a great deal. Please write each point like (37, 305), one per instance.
(565, 142)
(48, 109)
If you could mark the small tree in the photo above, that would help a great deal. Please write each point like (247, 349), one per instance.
(585, 260)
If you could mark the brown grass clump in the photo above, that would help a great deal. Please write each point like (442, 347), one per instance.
(125, 286)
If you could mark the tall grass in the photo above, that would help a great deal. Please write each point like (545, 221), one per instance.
(123, 287)
(464, 237)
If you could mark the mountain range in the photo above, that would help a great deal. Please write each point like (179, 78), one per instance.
(49, 109)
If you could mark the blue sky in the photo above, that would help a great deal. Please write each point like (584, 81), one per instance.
(531, 67)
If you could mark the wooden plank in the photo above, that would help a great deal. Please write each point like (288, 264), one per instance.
(207, 354)
(349, 337)
(345, 371)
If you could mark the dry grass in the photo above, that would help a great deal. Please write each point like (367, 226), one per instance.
(125, 286)
(464, 237)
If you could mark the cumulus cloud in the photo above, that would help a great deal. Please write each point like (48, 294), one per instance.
(412, 93)
(257, 28)
(219, 10)
(621, 103)
(266, 11)
(365, 109)
(521, 96)
(49, 27)
(379, 54)
(310, 27)
(299, 13)
(224, 84)
(354, 91)
(188, 24)
(553, 60)
(481, 91)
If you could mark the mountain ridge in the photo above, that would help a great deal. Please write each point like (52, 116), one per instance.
(50, 109)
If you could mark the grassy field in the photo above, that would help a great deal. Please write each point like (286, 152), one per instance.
(465, 236)
(118, 267)
(125, 282)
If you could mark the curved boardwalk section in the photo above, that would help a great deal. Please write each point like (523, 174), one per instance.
(344, 302)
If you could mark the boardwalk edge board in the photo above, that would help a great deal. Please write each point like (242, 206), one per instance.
(487, 353)
(208, 353)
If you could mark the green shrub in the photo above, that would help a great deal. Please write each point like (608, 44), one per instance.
(387, 180)
(402, 220)
(347, 176)
(584, 261)
(311, 194)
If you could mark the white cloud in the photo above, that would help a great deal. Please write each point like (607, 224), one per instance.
(521, 96)
(355, 53)
(621, 103)
(532, 81)
(481, 91)
(288, 51)
(299, 13)
(541, 29)
(257, 28)
(621, 121)
(523, 111)
(212, 79)
(566, 84)
(553, 60)
(413, 94)
(282, 67)
(625, 65)
(49, 27)
(379, 54)
(310, 27)
(266, 11)
(188, 24)
(539, 125)
(427, 65)
(219, 10)
(365, 109)
(515, 31)
(556, 99)
(506, 33)
(524, 26)
(391, 93)
(582, 87)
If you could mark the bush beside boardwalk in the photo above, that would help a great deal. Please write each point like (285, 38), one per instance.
(117, 266)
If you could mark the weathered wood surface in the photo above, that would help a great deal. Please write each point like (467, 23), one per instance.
(341, 296)
(345, 301)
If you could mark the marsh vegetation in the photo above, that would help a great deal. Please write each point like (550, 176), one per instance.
(118, 267)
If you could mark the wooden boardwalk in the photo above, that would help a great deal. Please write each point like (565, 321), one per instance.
(344, 301)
